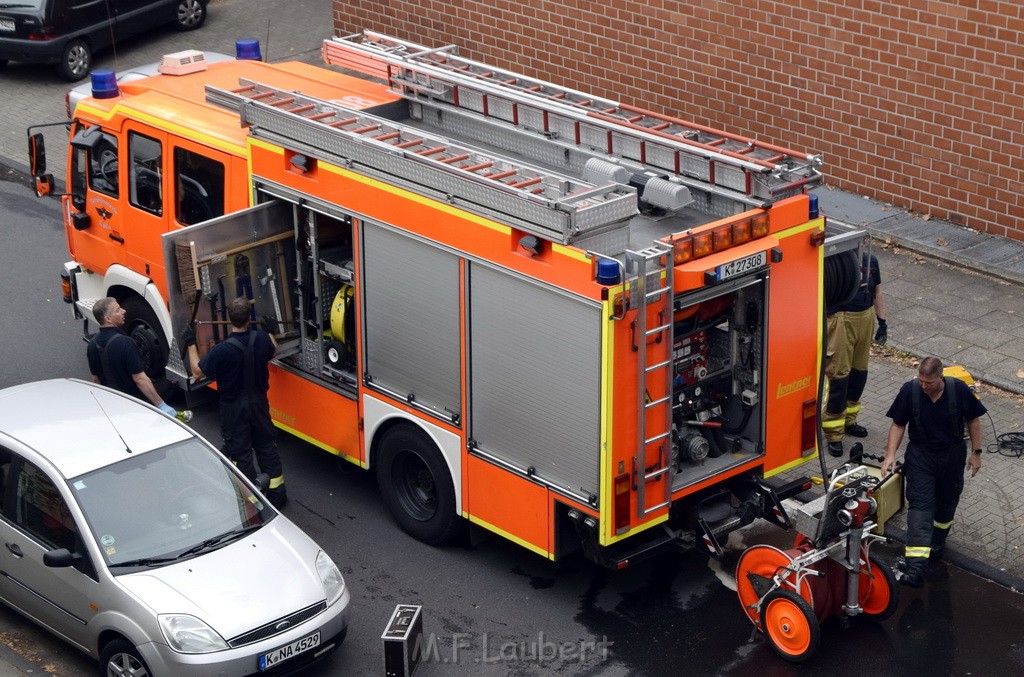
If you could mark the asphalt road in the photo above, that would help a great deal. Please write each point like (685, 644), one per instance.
(491, 607)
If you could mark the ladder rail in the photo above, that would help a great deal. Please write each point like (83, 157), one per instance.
(645, 371)
(408, 65)
(514, 177)
(571, 97)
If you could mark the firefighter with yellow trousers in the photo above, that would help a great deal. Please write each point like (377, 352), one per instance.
(850, 330)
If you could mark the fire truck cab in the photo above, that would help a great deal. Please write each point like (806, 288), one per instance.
(575, 323)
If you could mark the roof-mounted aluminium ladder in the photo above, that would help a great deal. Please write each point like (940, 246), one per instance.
(708, 159)
(652, 288)
(537, 200)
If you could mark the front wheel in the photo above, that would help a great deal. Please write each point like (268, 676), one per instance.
(141, 325)
(120, 659)
(75, 61)
(790, 625)
(416, 485)
(190, 15)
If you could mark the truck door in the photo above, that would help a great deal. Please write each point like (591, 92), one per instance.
(249, 253)
(146, 192)
(94, 216)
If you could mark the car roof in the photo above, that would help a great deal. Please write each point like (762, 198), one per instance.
(80, 426)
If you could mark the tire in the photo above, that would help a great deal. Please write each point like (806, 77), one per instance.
(788, 622)
(878, 591)
(120, 659)
(190, 14)
(141, 325)
(75, 61)
(416, 486)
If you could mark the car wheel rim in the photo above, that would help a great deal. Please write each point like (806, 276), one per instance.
(125, 665)
(415, 487)
(189, 12)
(78, 60)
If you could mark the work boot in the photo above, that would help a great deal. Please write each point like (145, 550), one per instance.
(856, 430)
(909, 575)
(836, 449)
(936, 553)
(278, 497)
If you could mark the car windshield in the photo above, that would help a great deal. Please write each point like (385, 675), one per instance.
(163, 505)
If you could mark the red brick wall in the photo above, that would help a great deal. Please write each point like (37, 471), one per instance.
(915, 102)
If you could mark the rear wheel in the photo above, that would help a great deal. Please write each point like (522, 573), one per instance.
(878, 591)
(75, 61)
(191, 14)
(788, 622)
(120, 659)
(416, 485)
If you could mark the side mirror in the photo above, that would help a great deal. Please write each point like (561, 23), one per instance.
(36, 154)
(61, 558)
(42, 182)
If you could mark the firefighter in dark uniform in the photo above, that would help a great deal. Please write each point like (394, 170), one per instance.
(239, 365)
(114, 359)
(936, 408)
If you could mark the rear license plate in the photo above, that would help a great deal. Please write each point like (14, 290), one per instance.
(6, 25)
(283, 653)
(741, 266)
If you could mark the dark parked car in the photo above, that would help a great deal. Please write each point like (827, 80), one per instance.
(68, 32)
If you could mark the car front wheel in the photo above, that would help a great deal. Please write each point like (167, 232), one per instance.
(75, 61)
(120, 659)
(191, 15)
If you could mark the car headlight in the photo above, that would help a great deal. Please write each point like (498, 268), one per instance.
(330, 576)
(188, 634)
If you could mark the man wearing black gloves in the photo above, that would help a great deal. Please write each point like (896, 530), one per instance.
(239, 365)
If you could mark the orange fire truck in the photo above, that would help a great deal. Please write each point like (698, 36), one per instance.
(576, 323)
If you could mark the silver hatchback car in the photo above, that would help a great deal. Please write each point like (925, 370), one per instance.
(131, 537)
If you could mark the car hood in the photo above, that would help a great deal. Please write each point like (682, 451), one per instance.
(239, 587)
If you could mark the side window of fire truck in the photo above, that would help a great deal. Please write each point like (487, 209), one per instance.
(78, 167)
(199, 187)
(104, 166)
(145, 189)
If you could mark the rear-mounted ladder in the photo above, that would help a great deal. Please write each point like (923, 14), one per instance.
(760, 172)
(652, 288)
(542, 202)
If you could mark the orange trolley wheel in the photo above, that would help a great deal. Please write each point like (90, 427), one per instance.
(790, 625)
(754, 572)
(878, 592)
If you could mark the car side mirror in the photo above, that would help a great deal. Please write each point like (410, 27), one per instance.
(61, 558)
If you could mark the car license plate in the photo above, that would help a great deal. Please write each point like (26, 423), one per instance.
(741, 266)
(6, 25)
(283, 653)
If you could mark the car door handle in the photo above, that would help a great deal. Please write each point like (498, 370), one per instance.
(15, 550)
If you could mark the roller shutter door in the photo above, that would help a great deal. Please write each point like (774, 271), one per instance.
(535, 378)
(412, 319)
